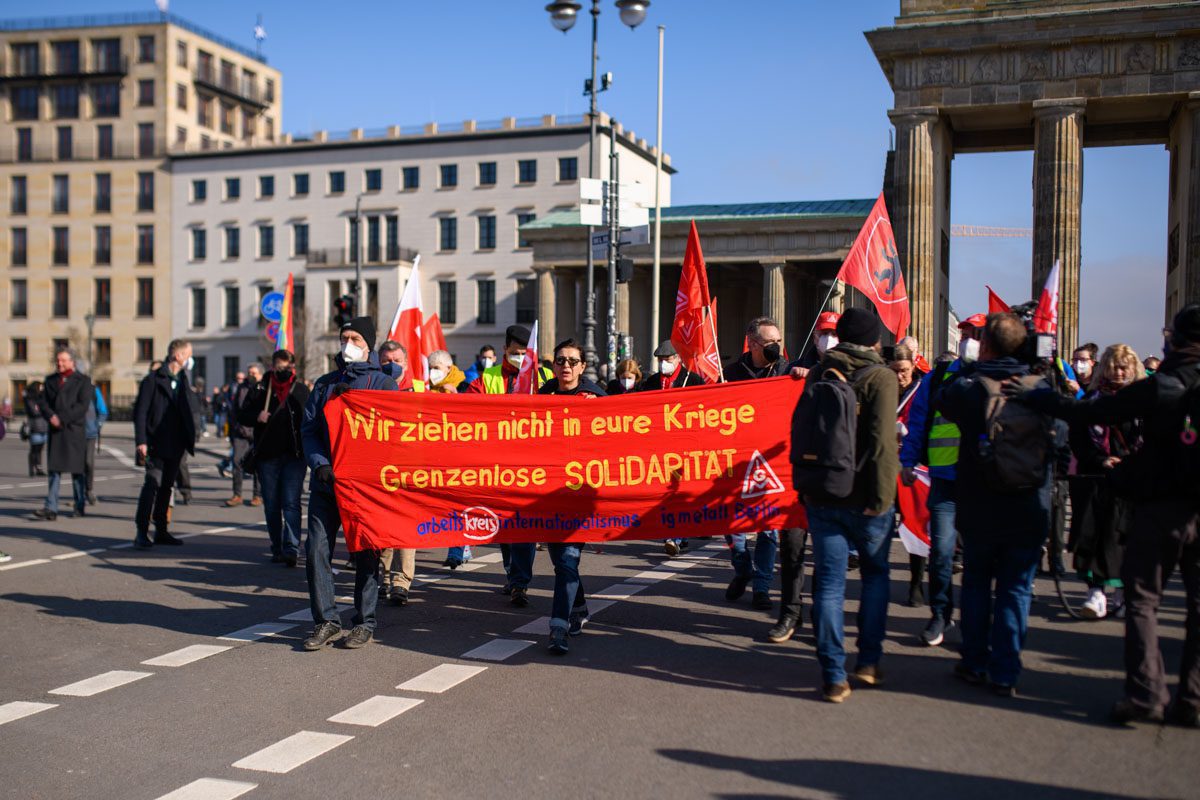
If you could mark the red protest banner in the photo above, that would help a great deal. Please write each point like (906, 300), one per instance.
(426, 470)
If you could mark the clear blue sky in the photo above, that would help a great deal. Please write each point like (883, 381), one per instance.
(764, 101)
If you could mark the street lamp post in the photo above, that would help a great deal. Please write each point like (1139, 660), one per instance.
(563, 15)
(89, 319)
(357, 242)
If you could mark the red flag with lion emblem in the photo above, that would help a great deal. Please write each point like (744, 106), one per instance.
(873, 267)
(694, 332)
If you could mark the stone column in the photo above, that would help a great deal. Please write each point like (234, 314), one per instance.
(913, 215)
(1057, 198)
(547, 306)
(774, 291)
(1189, 285)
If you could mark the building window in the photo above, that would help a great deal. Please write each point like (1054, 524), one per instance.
(487, 173)
(65, 142)
(393, 237)
(353, 251)
(20, 247)
(204, 111)
(20, 350)
(181, 53)
(103, 351)
(20, 194)
(57, 344)
(300, 184)
(104, 141)
(233, 188)
(568, 169)
(373, 247)
(19, 299)
(145, 196)
(199, 244)
(181, 95)
(145, 139)
(26, 58)
(268, 129)
(337, 182)
(448, 302)
(66, 101)
(266, 186)
(106, 54)
(227, 118)
(60, 199)
(204, 66)
(527, 171)
(145, 349)
(259, 320)
(199, 191)
(412, 177)
(233, 243)
(487, 232)
(205, 141)
(248, 122)
(448, 233)
(103, 192)
(230, 366)
(449, 175)
(103, 245)
(145, 244)
(145, 297)
(145, 50)
(62, 254)
(61, 304)
(374, 180)
(25, 102)
(266, 241)
(106, 99)
(232, 317)
(269, 90)
(486, 313)
(145, 93)
(24, 144)
(66, 57)
(103, 301)
(180, 135)
(300, 238)
(199, 317)
(522, 218)
(526, 301)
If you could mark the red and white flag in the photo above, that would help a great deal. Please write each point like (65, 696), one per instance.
(407, 324)
(694, 332)
(995, 304)
(1045, 316)
(432, 337)
(527, 378)
(914, 513)
(873, 267)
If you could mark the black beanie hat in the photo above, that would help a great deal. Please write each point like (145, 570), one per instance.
(858, 326)
(516, 333)
(1186, 326)
(364, 327)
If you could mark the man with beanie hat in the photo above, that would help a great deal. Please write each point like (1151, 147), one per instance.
(1160, 478)
(358, 368)
(863, 518)
(502, 379)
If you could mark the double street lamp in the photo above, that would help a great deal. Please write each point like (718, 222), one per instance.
(563, 15)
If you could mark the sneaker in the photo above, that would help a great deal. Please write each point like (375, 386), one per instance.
(558, 642)
(916, 596)
(221, 469)
(276, 558)
(934, 633)
(290, 560)
(671, 547)
(185, 498)
(1002, 689)
(836, 692)
(965, 673)
(256, 501)
(577, 621)
(323, 634)
(45, 514)
(1125, 712)
(4, 557)
(1117, 606)
(452, 563)
(761, 601)
(397, 596)
(1184, 716)
(77, 513)
(162, 537)
(234, 501)
(142, 541)
(1096, 606)
(784, 629)
(520, 597)
(736, 588)
(869, 674)
(358, 637)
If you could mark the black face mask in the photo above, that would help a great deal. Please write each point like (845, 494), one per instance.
(771, 352)
(283, 374)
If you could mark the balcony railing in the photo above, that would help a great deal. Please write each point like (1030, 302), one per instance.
(15, 73)
(344, 257)
(86, 149)
(230, 86)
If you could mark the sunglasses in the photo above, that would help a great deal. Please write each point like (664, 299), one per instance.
(563, 361)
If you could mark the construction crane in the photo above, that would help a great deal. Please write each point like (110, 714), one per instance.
(987, 232)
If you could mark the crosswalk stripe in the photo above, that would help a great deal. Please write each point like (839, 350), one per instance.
(19, 709)
(19, 564)
(186, 655)
(375, 711)
(498, 649)
(101, 683)
(210, 789)
(256, 632)
(620, 591)
(539, 625)
(441, 678)
(287, 754)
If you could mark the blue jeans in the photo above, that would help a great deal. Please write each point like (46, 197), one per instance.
(568, 586)
(282, 482)
(833, 530)
(993, 632)
(942, 538)
(323, 523)
(518, 564)
(762, 567)
(459, 554)
(78, 483)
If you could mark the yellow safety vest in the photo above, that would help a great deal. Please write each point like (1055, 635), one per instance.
(944, 438)
(493, 379)
(418, 386)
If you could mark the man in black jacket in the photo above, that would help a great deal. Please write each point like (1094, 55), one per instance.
(164, 428)
(68, 397)
(241, 436)
(672, 374)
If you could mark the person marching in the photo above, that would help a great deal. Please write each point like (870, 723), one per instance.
(393, 362)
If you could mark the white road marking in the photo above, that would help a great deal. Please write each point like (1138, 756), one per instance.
(651, 576)
(30, 485)
(539, 625)
(470, 566)
(487, 558)
(305, 614)
(443, 677)
(498, 649)
(19, 709)
(287, 754)
(19, 564)
(620, 591)
(186, 655)
(120, 456)
(100, 683)
(77, 554)
(256, 632)
(210, 789)
(375, 711)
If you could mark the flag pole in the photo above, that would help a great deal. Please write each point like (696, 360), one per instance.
(713, 327)
(656, 272)
(808, 339)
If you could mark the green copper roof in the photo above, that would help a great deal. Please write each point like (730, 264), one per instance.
(804, 209)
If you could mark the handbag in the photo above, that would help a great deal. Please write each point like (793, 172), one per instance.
(24, 432)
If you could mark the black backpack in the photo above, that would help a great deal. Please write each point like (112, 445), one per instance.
(1187, 445)
(1017, 444)
(824, 435)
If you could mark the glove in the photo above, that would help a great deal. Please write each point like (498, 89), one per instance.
(338, 389)
(324, 474)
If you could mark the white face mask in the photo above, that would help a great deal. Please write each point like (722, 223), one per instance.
(968, 350)
(627, 383)
(667, 367)
(437, 375)
(352, 353)
(516, 360)
(187, 365)
(488, 363)
(1083, 369)
(825, 342)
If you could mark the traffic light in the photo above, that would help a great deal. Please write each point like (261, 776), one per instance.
(343, 310)
(624, 270)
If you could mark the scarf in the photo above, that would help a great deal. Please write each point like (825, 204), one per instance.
(280, 389)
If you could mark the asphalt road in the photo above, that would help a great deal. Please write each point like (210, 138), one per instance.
(670, 692)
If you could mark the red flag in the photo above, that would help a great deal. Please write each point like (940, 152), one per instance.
(873, 267)
(995, 304)
(406, 325)
(432, 337)
(694, 332)
(284, 340)
(527, 377)
(1045, 316)
(913, 502)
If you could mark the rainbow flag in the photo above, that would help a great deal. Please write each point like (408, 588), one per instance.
(284, 339)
